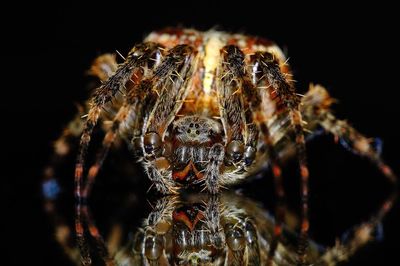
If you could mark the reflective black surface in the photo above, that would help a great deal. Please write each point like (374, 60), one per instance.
(199, 229)
(47, 54)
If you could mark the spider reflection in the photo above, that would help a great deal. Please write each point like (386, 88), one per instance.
(201, 229)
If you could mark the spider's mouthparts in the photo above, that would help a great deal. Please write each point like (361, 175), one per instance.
(187, 174)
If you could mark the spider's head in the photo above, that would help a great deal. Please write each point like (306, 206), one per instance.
(191, 147)
(190, 141)
(186, 146)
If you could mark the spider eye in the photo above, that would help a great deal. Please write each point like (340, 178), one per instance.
(249, 155)
(153, 247)
(151, 142)
(235, 150)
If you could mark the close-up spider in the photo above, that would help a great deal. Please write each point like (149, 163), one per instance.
(207, 110)
(200, 133)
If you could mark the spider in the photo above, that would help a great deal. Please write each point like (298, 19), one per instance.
(208, 110)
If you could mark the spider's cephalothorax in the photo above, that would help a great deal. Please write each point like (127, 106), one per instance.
(208, 109)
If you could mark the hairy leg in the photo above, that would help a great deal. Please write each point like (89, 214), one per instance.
(235, 125)
(156, 225)
(235, 64)
(231, 101)
(95, 234)
(241, 236)
(170, 82)
(316, 111)
(354, 141)
(290, 100)
(139, 55)
(216, 159)
(63, 147)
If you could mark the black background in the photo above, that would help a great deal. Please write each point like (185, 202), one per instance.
(350, 50)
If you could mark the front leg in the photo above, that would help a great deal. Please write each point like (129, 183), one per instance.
(233, 88)
(151, 238)
(212, 217)
(236, 88)
(173, 77)
(241, 237)
(212, 173)
(227, 164)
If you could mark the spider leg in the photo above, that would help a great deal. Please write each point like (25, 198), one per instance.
(241, 237)
(212, 217)
(353, 140)
(170, 82)
(174, 72)
(51, 190)
(51, 187)
(156, 225)
(139, 103)
(236, 67)
(257, 100)
(240, 131)
(108, 140)
(127, 117)
(290, 100)
(102, 67)
(358, 236)
(94, 232)
(139, 55)
(315, 107)
(230, 97)
(105, 94)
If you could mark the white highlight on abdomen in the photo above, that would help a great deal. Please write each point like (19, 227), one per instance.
(214, 43)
